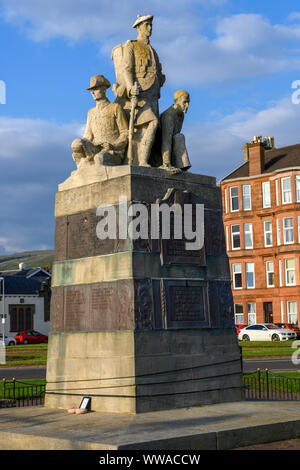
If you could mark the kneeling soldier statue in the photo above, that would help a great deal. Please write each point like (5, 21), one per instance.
(106, 136)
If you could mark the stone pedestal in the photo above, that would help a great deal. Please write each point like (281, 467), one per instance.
(139, 325)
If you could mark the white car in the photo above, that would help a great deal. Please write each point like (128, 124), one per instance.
(266, 332)
(9, 340)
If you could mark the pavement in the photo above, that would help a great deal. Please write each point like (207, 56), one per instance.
(210, 427)
(289, 444)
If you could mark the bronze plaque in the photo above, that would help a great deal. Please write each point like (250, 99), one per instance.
(57, 310)
(186, 304)
(75, 308)
(61, 239)
(93, 307)
(174, 250)
(103, 306)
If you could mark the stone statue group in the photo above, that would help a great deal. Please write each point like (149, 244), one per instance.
(130, 130)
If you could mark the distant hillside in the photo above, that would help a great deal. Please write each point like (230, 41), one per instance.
(32, 259)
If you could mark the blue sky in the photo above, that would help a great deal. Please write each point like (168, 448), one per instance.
(237, 59)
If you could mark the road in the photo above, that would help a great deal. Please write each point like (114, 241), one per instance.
(278, 364)
(22, 373)
(249, 365)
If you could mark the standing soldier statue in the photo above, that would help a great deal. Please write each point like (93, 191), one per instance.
(139, 79)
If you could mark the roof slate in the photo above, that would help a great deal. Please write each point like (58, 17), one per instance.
(275, 159)
(18, 283)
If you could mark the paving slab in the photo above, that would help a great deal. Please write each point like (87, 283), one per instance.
(211, 427)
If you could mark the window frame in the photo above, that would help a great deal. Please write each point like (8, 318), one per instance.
(288, 313)
(278, 232)
(240, 314)
(234, 273)
(234, 197)
(246, 197)
(266, 232)
(277, 192)
(287, 229)
(288, 270)
(280, 273)
(235, 234)
(227, 238)
(266, 184)
(251, 313)
(247, 233)
(15, 323)
(297, 187)
(226, 201)
(250, 272)
(270, 272)
(284, 191)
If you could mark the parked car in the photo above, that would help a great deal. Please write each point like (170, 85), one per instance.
(9, 340)
(289, 326)
(239, 327)
(30, 336)
(266, 332)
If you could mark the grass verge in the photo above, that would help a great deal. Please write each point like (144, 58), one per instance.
(36, 354)
(266, 348)
(26, 355)
(11, 390)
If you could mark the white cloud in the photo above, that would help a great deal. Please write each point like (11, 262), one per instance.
(243, 32)
(28, 137)
(238, 46)
(215, 147)
(244, 46)
(35, 156)
(74, 19)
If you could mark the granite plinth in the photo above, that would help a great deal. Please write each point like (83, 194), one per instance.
(140, 371)
(146, 322)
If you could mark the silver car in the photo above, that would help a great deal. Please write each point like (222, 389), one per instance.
(9, 340)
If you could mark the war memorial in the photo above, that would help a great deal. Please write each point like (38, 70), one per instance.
(143, 353)
(142, 311)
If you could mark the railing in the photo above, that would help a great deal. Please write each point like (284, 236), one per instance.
(14, 393)
(259, 385)
(263, 385)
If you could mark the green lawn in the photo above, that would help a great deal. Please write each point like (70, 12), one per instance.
(36, 354)
(21, 390)
(288, 375)
(266, 348)
(26, 355)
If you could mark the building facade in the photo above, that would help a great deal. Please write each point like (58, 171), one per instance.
(261, 214)
(25, 296)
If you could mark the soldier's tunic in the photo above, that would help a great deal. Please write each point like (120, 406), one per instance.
(141, 64)
(107, 124)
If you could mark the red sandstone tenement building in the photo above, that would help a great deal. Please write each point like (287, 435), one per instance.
(261, 214)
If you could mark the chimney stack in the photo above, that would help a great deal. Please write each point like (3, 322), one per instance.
(255, 154)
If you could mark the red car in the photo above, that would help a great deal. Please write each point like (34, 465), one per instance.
(239, 327)
(30, 336)
(289, 326)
